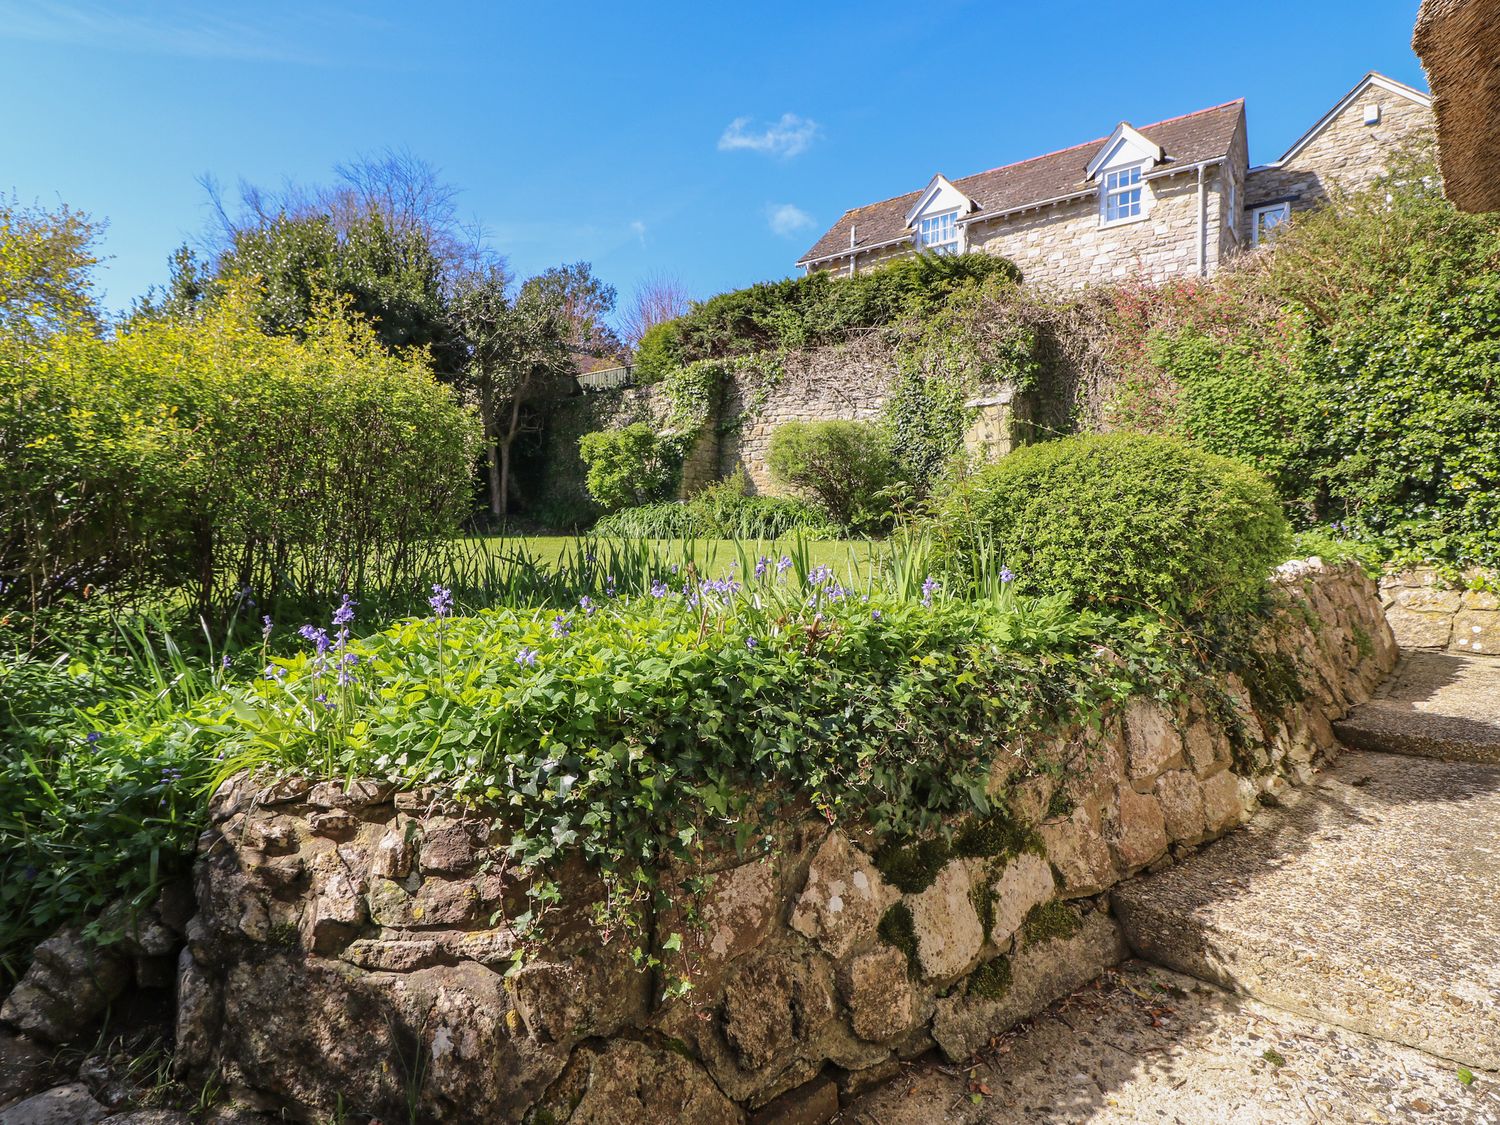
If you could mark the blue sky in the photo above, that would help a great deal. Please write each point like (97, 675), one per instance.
(711, 142)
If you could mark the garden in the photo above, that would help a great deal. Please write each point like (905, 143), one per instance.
(250, 529)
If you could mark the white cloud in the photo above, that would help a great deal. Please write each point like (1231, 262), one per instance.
(787, 219)
(784, 138)
(638, 229)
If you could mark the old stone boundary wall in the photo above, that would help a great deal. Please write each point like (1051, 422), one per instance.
(847, 382)
(1426, 611)
(349, 945)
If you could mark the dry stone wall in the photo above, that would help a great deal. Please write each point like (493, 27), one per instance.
(352, 945)
(1427, 612)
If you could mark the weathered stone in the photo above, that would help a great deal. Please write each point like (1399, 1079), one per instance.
(739, 909)
(811, 1103)
(1026, 882)
(392, 857)
(770, 1005)
(335, 912)
(843, 899)
(284, 791)
(396, 955)
(1428, 599)
(1223, 802)
(1419, 630)
(1039, 975)
(200, 1014)
(1140, 830)
(449, 848)
(629, 1083)
(1476, 631)
(148, 1117)
(1076, 847)
(878, 992)
(1181, 798)
(1152, 743)
(274, 836)
(358, 794)
(949, 934)
(67, 987)
(1480, 599)
(562, 1002)
(64, 1105)
(24, 1066)
(437, 902)
(335, 824)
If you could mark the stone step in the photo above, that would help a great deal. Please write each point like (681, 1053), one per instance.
(1150, 1045)
(1369, 900)
(1436, 705)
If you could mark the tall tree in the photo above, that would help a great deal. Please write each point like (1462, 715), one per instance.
(46, 259)
(584, 301)
(518, 360)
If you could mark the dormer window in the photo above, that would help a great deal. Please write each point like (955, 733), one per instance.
(1122, 194)
(938, 233)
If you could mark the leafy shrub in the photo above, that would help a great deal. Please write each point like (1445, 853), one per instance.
(207, 454)
(1120, 520)
(631, 465)
(819, 308)
(846, 466)
(724, 510)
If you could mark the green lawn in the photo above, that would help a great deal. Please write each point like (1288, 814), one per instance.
(849, 557)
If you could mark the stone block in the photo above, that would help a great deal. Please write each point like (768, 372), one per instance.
(64, 1105)
(1026, 882)
(1223, 802)
(812, 1103)
(949, 934)
(1181, 798)
(1076, 847)
(1152, 743)
(1419, 630)
(877, 990)
(843, 898)
(1428, 599)
(1476, 631)
(1140, 834)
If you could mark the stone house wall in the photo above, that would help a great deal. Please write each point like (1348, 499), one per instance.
(1065, 247)
(1427, 612)
(1347, 154)
(351, 945)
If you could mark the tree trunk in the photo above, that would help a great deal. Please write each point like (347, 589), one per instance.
(492, 465)
(505, 444)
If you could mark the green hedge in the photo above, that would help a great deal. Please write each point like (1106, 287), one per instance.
(847, 467)
(1122, 521)
(724, 510)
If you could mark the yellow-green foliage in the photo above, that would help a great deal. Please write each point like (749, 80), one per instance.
(188, 451)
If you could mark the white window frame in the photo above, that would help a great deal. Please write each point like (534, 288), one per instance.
(1255, 216)
(1136, 185)
(928, 224)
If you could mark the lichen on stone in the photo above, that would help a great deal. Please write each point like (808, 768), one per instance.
(1049, 922)
(983, 897)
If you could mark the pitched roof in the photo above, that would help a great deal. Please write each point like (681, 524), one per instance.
(1204, 135)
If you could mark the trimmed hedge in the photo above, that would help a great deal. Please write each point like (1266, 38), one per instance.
(1122, 521)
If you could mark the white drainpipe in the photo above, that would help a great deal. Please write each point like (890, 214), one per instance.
(1202, 223)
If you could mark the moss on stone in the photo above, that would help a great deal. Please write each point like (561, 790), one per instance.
(991, 980)
(982, 896)
(998, 836)
(912, 867)
(898, 928)
(1363, 643)
(1061, 804)
(1049, 922)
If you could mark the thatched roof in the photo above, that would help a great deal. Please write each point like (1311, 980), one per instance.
(1459, 44)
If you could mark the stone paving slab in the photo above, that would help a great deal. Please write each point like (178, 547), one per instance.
(1371, 900)
(1436, 705)
(1149, 1045)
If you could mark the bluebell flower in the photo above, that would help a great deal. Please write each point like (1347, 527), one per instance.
(441, 600)
(819, 575)
(560, 626)
(1007, 575)
(762, 564)
(784, 564)
(609, 585)
(345, 612)
(526, 657)
(751, 643)
(30, 873)
(318, 638)
(92, 736)
(875, 615)
(266, 626)
(930, 587)
(659, 589)
(224, 661)
(586, 604)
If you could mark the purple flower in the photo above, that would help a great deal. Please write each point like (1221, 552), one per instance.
(784, 564)
(762, 564)
(659, 589)
(751, 643)
(1007, 575)
(609, 586)
(819, 575)
(441, 600)
(875, 615)
(224, 661)
(266, 626)
(275, 672)
(526, 657)
(930, 587)
(92, 736)
(345, 612)
(586, 604)
(560, 626)
(318, 638)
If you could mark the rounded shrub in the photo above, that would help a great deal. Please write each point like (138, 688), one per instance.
(845, 466)
(1118, 521)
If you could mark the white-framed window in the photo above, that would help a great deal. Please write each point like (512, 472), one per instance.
(1265, 220)
(1122, 195)
(938, 233)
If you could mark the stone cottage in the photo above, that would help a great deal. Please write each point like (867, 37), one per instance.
(1171, 199)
